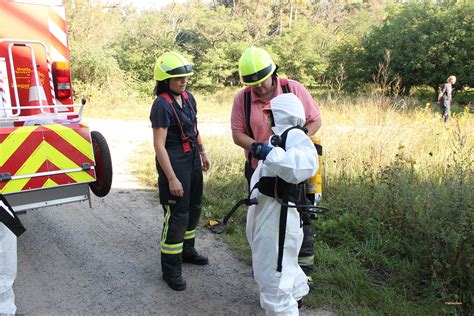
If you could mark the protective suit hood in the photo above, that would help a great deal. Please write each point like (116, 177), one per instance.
(287, 111)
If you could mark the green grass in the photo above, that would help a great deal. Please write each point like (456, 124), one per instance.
(399, 183)
(125, 103)
(115, 101)
(215, 108)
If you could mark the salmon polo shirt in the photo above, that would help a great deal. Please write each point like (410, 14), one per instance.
(260, 126)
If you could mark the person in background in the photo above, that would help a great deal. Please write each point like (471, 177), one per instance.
(445, 97)
(259, 73)
(274, 229)
(180, 161)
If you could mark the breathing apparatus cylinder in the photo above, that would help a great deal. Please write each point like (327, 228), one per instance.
(314, 187)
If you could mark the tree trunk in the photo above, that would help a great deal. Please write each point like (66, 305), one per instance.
(291, 16)
(281, 22)
(406, 89)
(436, 89)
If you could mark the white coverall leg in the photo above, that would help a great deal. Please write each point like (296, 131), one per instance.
(8, 266)
(279, 292)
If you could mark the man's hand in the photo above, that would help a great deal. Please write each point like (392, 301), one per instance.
(260, 150)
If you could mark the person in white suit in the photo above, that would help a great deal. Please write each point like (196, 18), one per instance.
(8, 266)
(291, 160)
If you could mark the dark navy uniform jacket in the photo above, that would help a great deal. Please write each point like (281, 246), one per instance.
(162, 115)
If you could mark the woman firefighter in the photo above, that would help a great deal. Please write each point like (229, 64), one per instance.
(180, 160)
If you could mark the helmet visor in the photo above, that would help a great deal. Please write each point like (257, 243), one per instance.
(252, 78)
(183, 70)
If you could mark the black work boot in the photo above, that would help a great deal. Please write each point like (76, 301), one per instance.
(311, 283)
(176, 282)
(196, 259)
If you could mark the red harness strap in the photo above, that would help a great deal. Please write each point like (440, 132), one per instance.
(185, 95)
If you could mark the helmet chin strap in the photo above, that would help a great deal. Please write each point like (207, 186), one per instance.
(168, 89)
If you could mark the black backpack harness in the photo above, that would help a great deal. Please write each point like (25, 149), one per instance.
(277, 188)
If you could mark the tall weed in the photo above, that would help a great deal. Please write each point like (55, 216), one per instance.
(400, 187)
(114, 99)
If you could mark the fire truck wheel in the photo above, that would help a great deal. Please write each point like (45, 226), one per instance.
(103, 165)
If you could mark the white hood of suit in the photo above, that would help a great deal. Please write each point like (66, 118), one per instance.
(287, 111)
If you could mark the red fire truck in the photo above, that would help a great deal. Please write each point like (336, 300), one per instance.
(48, 156)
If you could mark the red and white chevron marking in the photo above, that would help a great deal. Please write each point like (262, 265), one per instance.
(58, 30)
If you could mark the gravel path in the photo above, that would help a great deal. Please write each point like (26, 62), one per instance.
(105, 260)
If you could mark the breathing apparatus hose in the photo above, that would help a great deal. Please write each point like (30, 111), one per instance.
(247, 202)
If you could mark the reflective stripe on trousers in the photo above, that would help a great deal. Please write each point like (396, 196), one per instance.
(181, 214)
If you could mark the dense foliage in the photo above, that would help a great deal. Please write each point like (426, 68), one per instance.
(426, 43)
(331, 44)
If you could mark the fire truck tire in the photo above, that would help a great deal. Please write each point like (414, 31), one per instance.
(103, 165)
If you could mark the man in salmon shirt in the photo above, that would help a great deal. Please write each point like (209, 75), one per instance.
(258, 73)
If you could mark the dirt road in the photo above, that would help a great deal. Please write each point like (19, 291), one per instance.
(105, 260)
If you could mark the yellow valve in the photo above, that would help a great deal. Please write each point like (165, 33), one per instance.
(315, 183)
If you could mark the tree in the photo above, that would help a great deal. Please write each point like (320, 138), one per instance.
(428, 42)
(300, 53)
(146, 37)
(92, 59)
(215, 38)
(453, 52)
(347, 49)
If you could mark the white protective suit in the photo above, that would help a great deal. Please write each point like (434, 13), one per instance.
(7, 270)
(279, 292)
